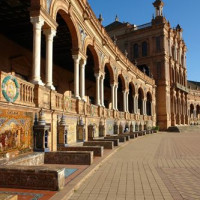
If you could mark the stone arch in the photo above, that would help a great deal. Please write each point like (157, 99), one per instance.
(121, 89)
(149, 103)
(108, 81)
(95, 56)
(191, 110)
(131, 98)
(63, 8)
(141, 100)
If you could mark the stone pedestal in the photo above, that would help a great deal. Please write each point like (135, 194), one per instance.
(41, 134)
(62, 132)
(91, 131)
(81, 131)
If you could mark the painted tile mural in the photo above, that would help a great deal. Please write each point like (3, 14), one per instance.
(15, 131)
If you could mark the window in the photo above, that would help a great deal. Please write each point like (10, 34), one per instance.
(135, 51)
(158, 44)
(144, 49)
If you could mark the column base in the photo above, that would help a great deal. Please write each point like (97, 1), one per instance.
(37, 82)
(77, 97)
(83, 99)
(51, 87)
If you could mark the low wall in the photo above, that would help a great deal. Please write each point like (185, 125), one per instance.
(116, 141)
(130, 135)
(97, 151)
(33, 159)
(121, 138)
(72, 157)
(32, 177)
(105, 144)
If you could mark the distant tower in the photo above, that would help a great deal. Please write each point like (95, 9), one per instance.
(159, 4)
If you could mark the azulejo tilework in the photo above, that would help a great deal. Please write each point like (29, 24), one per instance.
(15, 131)
(10, 88)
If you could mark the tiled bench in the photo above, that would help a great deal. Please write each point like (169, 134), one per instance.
(97, 151)
(121, 138)
(116, 141)
(32, 177)
(72, 157)
(105, 144)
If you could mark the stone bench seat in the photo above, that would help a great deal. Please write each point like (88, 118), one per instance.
(32, 177)
(97, 151)
(116, 141)
(130, 135)
(71, 157)
(121, 138)
(105, 144)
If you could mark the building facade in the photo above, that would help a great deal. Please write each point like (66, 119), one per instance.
(160, 52)
(56, 59)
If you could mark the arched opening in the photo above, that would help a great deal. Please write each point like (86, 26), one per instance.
(140, 101)
(144, 49)
(107, 86)
(90, 80)
(131, 98)
(135, 51)
(63, 77)
(191, 111)
(121, 88)
(149, 104)
(198, 111)
(145, 69)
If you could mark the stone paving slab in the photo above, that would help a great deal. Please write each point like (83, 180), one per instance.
(159, 167)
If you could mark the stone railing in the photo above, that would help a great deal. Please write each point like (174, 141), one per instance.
(16, 90)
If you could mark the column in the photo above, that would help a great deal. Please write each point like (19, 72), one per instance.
(98, 103)
(49, 33)
(116, 88)
(82, 75)
(102, 90)
(76, 76)
(113, 95)
(127, 107)
(136, 105)
(124, 100)
(37, 22)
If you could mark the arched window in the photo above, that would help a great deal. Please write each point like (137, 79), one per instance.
(135, 51)
(144, 49)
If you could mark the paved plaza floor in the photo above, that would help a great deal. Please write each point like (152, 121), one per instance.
(160, 166)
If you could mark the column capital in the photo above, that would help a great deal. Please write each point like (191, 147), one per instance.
(38, 20)
(97, 75)
(76, 57)
(50, 32)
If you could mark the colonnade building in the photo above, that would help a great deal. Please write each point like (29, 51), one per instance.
(56, 58)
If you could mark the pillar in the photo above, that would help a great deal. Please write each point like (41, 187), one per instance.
(127, 107)
(113, 96)
(49, 33)
(82, 81)
(135, 105)
(124, 100)
(102, 90)
(116, 97)
(76, 76)
(37, 22)
(98, 102)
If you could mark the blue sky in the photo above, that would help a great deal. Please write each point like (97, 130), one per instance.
(183, 12)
